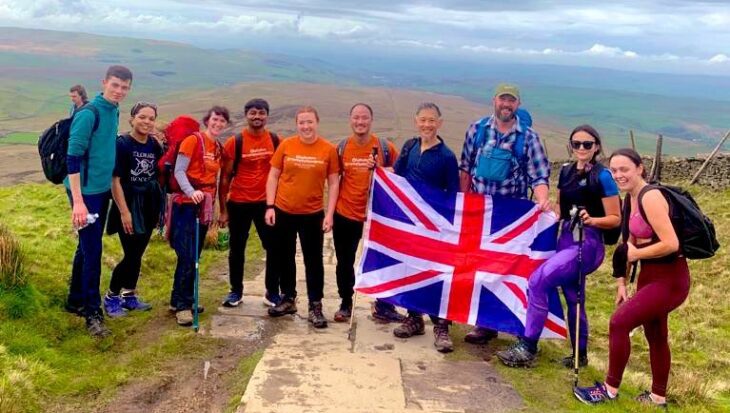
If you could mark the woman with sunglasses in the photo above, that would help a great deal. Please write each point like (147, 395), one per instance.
(136, 209)
(587, 185)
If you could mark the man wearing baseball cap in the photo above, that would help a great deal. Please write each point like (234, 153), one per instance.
(527, 166)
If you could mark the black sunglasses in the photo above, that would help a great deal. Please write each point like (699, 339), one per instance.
(588, 145)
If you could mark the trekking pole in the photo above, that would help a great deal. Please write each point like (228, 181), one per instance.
(197, 274)
(581, 285)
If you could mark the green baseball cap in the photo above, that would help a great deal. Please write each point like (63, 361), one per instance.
(507, 89)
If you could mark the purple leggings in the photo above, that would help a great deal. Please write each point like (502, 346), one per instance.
(561, 270)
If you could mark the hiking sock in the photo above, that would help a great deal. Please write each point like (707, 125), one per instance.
(530, 344)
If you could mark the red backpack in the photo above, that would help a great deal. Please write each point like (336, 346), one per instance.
(179, 129)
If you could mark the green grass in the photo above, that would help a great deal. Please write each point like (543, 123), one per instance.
(23, 138)
(699, 332)
(45, 353)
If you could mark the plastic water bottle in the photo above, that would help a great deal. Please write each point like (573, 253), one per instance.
(90, 219)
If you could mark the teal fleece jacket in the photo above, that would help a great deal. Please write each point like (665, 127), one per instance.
(101, 145)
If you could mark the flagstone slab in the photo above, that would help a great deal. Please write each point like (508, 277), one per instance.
(317, 372)
(457, 386)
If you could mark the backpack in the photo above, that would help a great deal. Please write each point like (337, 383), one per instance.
(179, 129)
(53, 147)
(383, 149)
(239, 148)
(610, 236)
(407, 146)
(695, 231)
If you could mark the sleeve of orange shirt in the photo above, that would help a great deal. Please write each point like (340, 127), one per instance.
(229, 150)
(333, 166)
(189, 146)
(277, 160)
(392, 153)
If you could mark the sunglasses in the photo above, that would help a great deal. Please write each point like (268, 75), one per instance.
(588, 145)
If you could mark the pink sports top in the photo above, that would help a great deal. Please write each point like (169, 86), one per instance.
(638, 226)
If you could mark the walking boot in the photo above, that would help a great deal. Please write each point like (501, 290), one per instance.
(316, 317)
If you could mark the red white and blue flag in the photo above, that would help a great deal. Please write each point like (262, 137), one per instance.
(463, 257)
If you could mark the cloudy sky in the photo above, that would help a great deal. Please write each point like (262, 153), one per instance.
(653, 35)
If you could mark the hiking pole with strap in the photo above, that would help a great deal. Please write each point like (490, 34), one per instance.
(197, 272)
(581, 284)
(350, 336)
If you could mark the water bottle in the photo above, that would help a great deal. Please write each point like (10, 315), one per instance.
(90, 219)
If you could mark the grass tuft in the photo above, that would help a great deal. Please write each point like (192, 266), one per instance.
(12, 259)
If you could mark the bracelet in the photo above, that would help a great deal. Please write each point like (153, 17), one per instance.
(269, 207)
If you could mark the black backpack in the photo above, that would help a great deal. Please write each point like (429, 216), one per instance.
(610, 236)
(239, 148)
(53, 146)
(695, 231)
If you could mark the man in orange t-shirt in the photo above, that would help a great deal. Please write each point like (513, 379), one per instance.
(243, 198)
(357, 161)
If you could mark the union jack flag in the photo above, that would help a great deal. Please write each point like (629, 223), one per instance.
(463, 257)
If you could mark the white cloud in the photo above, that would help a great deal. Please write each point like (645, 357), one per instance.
(719, 58)
(608, 51)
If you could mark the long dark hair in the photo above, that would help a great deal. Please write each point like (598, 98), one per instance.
(633, 156)
(594, 133)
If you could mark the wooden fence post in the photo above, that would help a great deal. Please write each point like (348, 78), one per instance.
(656, 168)
(631, 139)
(707, 161)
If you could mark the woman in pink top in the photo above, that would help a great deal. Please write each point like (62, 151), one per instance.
(663, 285)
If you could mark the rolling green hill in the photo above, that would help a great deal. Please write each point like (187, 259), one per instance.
(38, 67)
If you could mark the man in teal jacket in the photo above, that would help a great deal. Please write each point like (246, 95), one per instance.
(90, 162)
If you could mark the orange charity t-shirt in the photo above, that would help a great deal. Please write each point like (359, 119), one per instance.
(304, 170)
(203, 176)
(355, 182)
(249, 183)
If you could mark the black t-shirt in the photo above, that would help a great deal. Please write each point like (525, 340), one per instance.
(136, 163)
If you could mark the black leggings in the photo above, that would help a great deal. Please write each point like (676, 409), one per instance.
(311, 238)
(126, 273)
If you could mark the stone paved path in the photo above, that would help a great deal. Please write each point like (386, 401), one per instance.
(309, 370)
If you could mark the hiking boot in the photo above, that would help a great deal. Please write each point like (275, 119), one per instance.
(480, 335)
(271, 299)
(74, 309)
(344, 313)
(442, 341)
(517, 355)
(113, 306)
(593, 395)
(95, 326)
(386, 313)
(232, 300)
(645, 399)
(184, 318)
(569, 361)
(286, 306)
(173, 309)
(131, 302)
(411, 326)
(315, 315)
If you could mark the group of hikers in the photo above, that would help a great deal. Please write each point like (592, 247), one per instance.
(279, 186)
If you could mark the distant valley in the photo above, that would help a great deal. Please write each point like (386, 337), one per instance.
(37, 67)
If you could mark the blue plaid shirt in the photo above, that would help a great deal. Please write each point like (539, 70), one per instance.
(535, 172)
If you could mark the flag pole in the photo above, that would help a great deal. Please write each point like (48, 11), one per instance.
(350, 335)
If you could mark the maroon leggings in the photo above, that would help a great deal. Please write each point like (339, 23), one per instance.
(662, 287)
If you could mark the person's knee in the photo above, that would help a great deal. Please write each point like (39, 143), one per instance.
(618, 324)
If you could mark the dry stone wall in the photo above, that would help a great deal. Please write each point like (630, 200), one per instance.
(716, 175)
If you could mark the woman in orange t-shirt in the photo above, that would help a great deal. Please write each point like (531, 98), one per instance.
(295, 205)
(196, 172)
